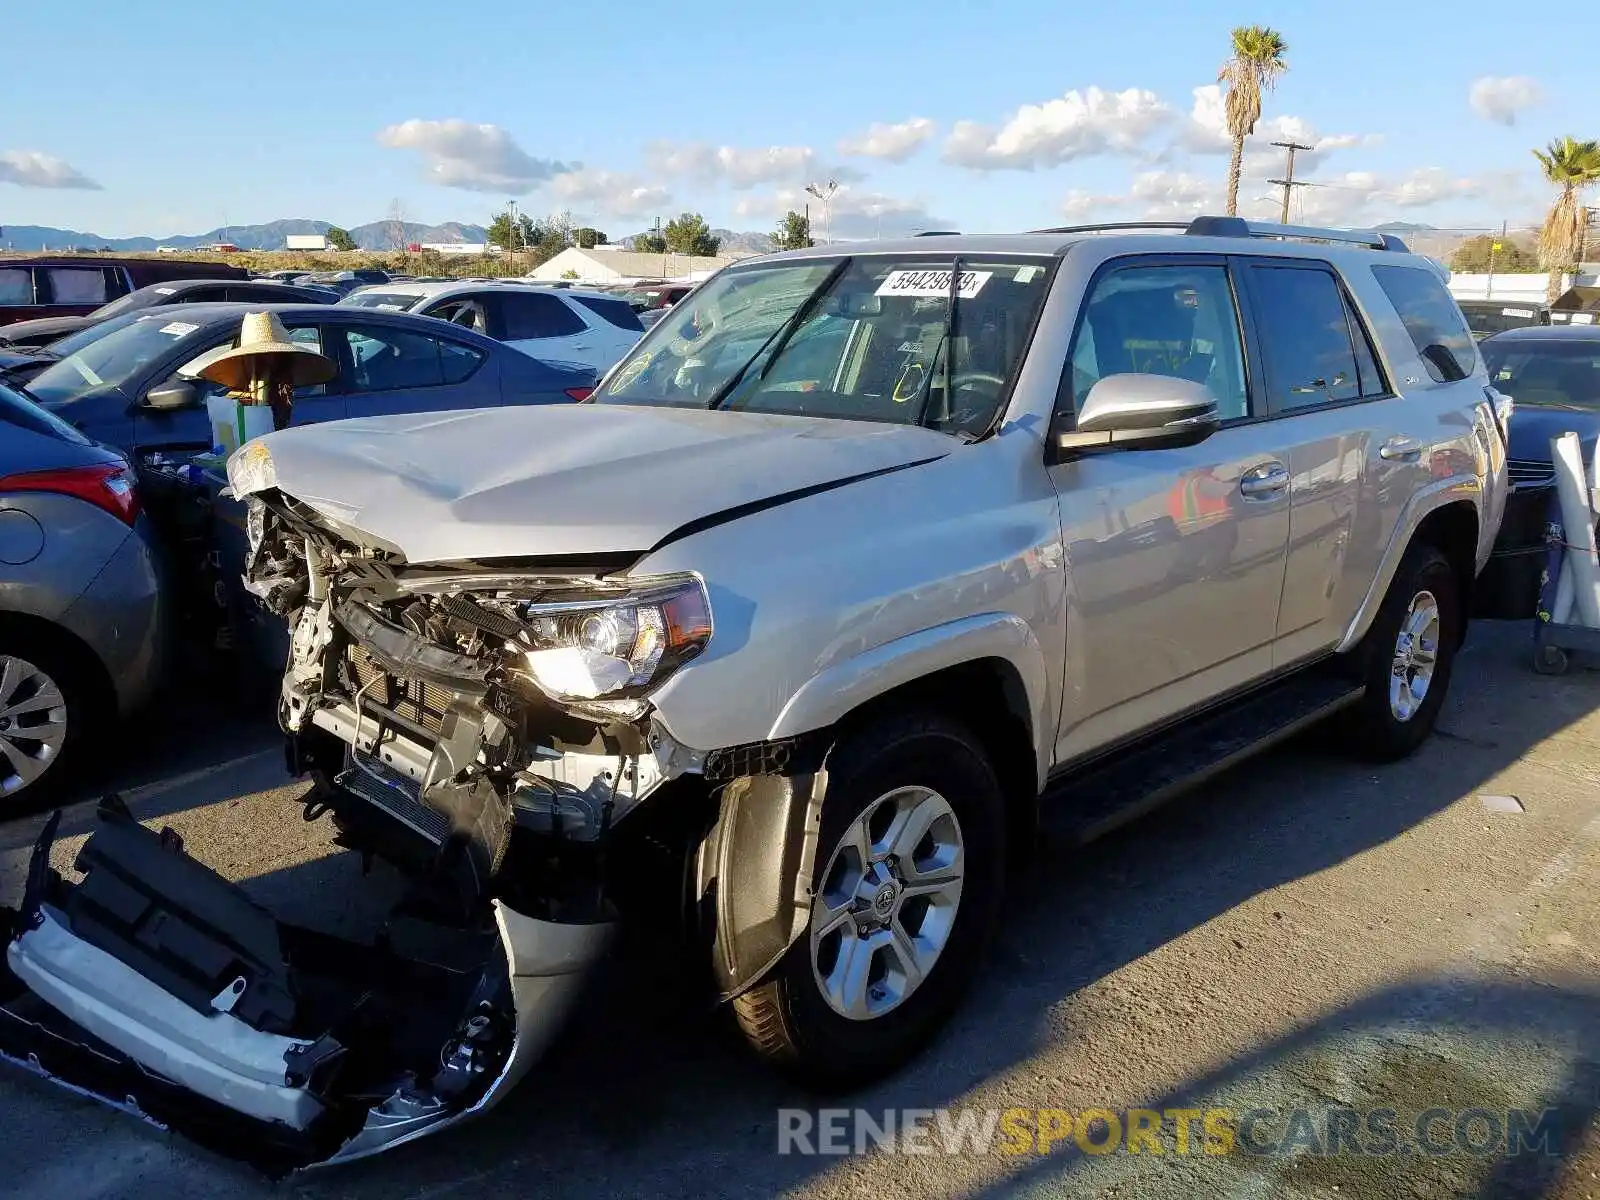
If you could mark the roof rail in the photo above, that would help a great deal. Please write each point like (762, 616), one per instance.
(1110, 225)
(1240, 228)
(939, 233)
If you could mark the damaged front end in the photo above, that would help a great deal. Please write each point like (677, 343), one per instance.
(484, 731)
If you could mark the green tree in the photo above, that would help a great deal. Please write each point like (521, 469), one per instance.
(688, 233)
(649, 242)
(587, 239)
(340, 239)
(512, 235)
(1571, 166)
(793, 232)
(1476, 255)
(1253, 68)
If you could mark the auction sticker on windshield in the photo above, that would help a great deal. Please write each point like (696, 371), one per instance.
(178, 328)
(932, 283)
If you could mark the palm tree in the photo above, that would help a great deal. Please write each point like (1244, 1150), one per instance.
(1572, 166)
(1256, 63)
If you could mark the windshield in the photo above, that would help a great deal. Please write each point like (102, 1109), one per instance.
(1547, 374)
(861, 338)
(1486, 319)
(110, 360)
(392, 301)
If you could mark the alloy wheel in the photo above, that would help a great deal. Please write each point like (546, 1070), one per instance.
(1416, 654)
(33, 723)
(887, 902)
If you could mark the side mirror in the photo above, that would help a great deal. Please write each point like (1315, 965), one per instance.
(1141, 412)
(171, 396)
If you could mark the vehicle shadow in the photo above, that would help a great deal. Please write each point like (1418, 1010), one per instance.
(649, 1092)
(1448, 1044)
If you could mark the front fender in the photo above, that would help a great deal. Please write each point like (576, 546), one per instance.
(833, 693)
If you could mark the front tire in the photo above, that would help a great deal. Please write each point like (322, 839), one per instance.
(908, 882)
(1406, 658)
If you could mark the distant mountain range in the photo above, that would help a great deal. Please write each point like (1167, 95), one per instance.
(375, 235)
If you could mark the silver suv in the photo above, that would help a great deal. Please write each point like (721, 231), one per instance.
(865, 562)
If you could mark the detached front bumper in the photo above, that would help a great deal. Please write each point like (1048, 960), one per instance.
(161, 989)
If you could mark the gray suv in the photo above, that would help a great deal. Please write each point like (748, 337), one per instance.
(864, 563)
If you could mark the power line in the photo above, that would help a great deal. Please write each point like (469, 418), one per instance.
(1287, 183)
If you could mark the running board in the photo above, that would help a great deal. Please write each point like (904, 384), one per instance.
(1085, 802)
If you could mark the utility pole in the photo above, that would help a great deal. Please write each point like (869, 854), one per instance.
(512, 233)
(1494, 248)
(1287, 183)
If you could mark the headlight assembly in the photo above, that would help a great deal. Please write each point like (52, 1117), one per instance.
(616, 649)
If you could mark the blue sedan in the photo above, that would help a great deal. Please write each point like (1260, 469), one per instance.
(130, 382)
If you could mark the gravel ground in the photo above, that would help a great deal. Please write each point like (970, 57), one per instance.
(1303, 933)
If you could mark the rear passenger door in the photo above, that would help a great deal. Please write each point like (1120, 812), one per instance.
(539, 324)
(386, 369)
(1352, 460)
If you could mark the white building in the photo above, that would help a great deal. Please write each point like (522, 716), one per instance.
(315, 242)
(1521, 288)
(601, 265)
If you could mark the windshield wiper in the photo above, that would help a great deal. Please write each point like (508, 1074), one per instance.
(948, 342)
(780, 336)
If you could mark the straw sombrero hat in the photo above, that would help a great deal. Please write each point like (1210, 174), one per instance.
(261, 334)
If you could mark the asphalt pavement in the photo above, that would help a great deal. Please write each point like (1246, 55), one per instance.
(1304, 933)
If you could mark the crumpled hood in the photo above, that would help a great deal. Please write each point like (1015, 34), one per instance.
(1533, 426)
(563, 480)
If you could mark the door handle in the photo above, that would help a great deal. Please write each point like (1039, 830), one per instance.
(1401, 448)
(1265, 481)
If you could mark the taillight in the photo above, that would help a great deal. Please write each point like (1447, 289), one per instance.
(107, 486)
(580, 393)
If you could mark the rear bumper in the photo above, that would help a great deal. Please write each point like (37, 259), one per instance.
(161, 989)
(122, 616)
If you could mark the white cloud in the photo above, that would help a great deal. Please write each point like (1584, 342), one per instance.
(478, 158)
(893, 143)
(613, 193)
(1430, 185)
(741, 168)
(30, 169)
(1205, 131)
(1500, 98)
(852, 213)
(1078, 204)
(1073, 126)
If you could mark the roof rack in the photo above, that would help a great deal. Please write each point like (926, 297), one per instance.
(1240, 228)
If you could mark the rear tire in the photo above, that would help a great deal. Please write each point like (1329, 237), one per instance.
(51, 704)
(900, 918)
(1406, 659)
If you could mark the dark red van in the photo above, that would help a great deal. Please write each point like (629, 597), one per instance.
(70, 285)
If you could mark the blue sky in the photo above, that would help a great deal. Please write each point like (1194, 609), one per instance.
(1005, 115)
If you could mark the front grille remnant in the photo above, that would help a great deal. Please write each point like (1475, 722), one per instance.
(1530, 473)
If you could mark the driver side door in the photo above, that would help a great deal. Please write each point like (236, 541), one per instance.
(1175, 557)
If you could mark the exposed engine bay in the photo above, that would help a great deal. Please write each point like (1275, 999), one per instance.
(484, 730)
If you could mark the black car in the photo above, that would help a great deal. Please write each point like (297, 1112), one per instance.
(43, 331)
(1552, 374)
(1488, 317)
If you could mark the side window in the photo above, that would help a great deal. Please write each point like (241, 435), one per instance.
(386, 360)
(614, 312)
(1304, 333)
(310, 335)
(77, 285)
(16, 285)
(1373, 384)
(1432, 318)
(1161, 320)
(468, 312)
(458, 362)
(537, 316)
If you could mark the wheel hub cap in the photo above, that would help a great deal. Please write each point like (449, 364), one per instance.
(887, 902)
(1416, 655)
(33, 723)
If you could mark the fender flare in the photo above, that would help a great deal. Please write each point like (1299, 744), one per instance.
(1417, 509)
(753, 870)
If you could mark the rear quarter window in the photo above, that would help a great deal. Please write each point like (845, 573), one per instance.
(615, 312)
(1432, 319)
